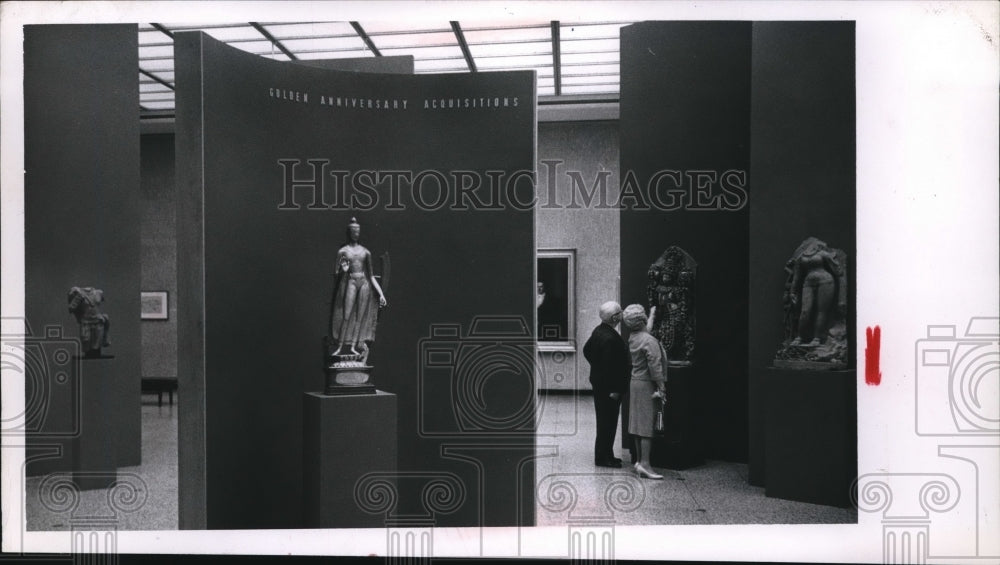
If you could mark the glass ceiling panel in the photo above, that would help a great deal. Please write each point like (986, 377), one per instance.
(333, 55)
(167, 95)
(527, 48)
(353, 43)
(317, 29)
(589, 51)
(589, 88)
(589, 45)
(152, 86)
(414, 40)
(165, 75)
(541, 31)
(588, 58)
(583, 69)
(153, 36)
(161, 51)
(155, 65)
(242, 32)
(523, 61)
(374, 28)
(451, 52)
(583, 31)
(158, 105)
(262, 47)
(602, 79)
(447, 65)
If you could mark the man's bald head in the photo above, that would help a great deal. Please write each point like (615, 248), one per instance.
(610, 313)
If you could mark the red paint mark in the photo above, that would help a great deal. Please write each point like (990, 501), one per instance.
(874, 339)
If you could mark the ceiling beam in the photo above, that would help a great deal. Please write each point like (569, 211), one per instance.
(364, 37)
(162, 29)
(274, 41)
(464, 45)
(156, 78)
(556, 58)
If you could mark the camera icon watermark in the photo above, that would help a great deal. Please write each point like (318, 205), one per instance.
(958, 380)
(47, 364)
(490, 375)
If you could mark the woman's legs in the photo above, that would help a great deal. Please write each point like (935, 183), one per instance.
(644, 445)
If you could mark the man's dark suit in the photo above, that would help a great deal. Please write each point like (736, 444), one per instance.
(610, 368)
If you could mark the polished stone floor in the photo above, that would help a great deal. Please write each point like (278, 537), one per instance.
(569, 487)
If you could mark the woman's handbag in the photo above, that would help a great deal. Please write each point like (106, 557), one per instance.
(658, 426)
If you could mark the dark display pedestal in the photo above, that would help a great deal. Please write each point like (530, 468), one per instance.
(126, 415)
(95, 453)
(811, 442)
(676, 448)
(345, 437)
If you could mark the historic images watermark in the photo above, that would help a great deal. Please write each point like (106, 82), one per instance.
(310, 184)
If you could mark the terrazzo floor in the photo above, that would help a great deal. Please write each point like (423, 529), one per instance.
(571, 488)
(154, 506)
(568, 487)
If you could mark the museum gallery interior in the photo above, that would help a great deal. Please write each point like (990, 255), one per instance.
(322, 275)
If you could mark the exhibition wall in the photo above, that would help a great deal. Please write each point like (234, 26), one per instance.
(685, 107)
(81, 198)
(256, 268)
(582, 157)
(159, 252)
(803, 176)
(773, 101)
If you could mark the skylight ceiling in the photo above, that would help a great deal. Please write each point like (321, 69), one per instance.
(571, 59)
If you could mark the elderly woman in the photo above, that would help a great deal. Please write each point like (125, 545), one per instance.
(648, 385)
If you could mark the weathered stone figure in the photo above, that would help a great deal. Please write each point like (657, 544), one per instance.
(815, 303)
(84, 303)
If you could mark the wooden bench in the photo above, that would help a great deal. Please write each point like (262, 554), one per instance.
(159, 385)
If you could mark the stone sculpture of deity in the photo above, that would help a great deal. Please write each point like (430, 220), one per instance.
(85, 304)
(354, 309)
(815, 304)
(670, 293)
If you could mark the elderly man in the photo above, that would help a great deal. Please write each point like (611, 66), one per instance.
(610, 368)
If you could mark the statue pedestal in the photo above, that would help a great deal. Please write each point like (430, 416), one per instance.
(677, 447)
(811, 435)
(95, 449)
(345, 437)
(349, 380)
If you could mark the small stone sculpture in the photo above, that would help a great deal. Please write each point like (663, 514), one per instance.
(84, 303)
(815, 303)
(354, 310)
(671, 291)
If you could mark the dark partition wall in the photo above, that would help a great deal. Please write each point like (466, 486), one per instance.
(81, 192)
(685, 135)
(256, 265)
(803, 163)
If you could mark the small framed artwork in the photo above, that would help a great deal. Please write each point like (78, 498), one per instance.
(555, 300)
(154, 305)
